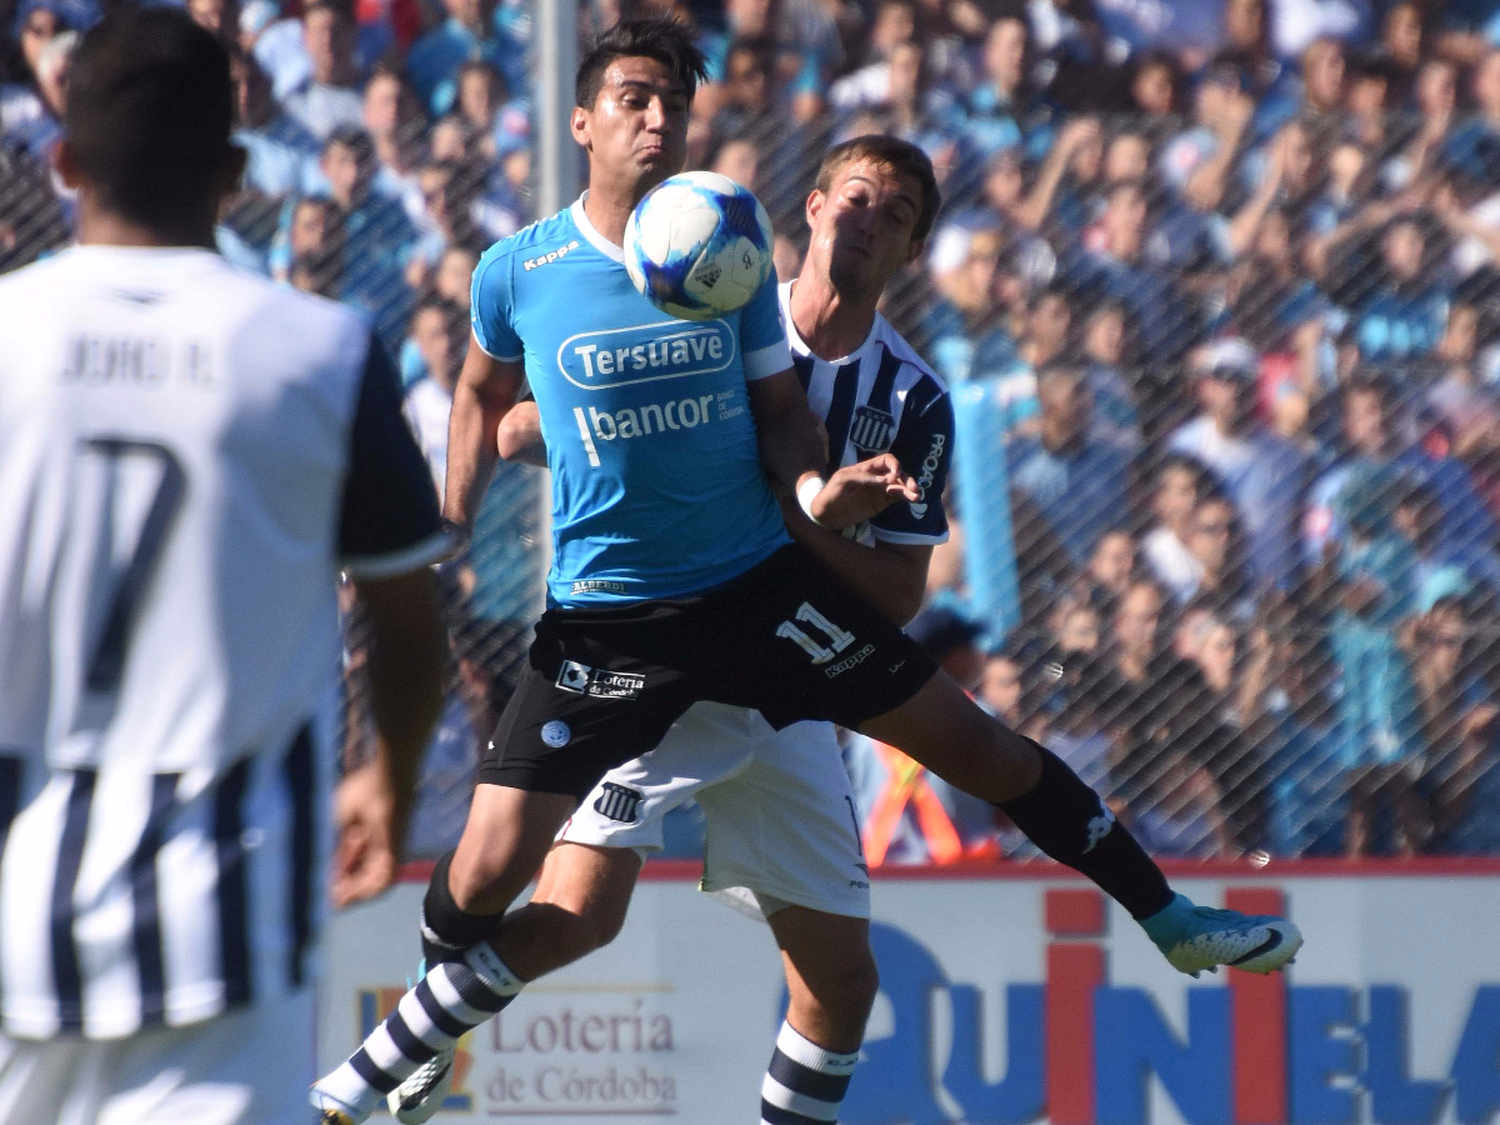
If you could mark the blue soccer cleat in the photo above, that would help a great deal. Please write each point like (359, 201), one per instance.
(1194, 938)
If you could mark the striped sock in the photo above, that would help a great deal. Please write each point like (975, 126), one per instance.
(451, 999)
(806, 1084)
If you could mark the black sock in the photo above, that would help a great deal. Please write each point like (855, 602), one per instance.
(448, 929)
(1069, 821)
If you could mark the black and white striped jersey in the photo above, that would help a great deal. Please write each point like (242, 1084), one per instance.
(187, 455)
(883, 399)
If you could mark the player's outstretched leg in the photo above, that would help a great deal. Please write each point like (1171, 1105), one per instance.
(944, 730)
(831, 982)
(508, 834)
(579, 905)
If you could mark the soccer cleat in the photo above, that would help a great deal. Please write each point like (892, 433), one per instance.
(334, 1117)
(1194, 938)
(421, 1095)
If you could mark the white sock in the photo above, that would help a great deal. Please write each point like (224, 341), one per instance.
(805, 1084)
(453, 998)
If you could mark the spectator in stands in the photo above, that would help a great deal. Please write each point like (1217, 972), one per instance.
(1440, 560)
(484, 101)
(1103, 344)
(439, 333)
(1368, 586)
(282, 155)
(469, 33)
(1401, 43)
(1079, 483)
(327, 100)
(1371, 439)
(1114, 263)
(1472, 144)
(1174, 500)
(1265, 475)
(30, 108)
(1197, 162)
(997, 112)
(1403, 318)
(1221, 584)
(1153, 79)
(314, 230)
(894, 27)
(319, 272)
(1182, 813)
(393, 120)
(1461, 729)
(1111, 566)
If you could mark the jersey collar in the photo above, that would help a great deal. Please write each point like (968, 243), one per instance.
(799, 345)
(591, 233)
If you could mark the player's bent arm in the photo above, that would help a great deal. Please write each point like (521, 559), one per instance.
(892, 577)
(790, 447)
(485, 390)
(520, 436)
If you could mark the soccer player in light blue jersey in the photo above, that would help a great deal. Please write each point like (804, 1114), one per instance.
(674, 582)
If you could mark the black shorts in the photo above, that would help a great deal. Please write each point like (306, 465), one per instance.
(786, 638)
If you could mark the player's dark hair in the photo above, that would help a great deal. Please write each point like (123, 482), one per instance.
(667, 40)
(901, 156)
(150, 108)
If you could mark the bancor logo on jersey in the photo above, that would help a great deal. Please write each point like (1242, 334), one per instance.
(654, 418)
(644, 353)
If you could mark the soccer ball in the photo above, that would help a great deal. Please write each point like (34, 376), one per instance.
(698, 245)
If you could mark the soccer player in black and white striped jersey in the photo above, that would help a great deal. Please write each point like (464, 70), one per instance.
(187, 453)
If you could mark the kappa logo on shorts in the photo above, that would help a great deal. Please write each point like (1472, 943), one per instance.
(600, 683)
(619, 802)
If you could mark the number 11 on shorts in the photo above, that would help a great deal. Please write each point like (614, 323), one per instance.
(838, 639)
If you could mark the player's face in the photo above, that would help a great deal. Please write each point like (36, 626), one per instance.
(636, 131)
(862, 228)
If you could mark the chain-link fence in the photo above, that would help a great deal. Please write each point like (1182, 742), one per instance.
(1218, 305)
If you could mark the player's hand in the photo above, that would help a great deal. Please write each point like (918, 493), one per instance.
(366, 857)
(862, 491)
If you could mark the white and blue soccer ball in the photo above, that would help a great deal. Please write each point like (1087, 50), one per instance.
(698, 245)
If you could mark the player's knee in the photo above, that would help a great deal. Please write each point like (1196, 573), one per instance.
(850, 992)
(606, 924)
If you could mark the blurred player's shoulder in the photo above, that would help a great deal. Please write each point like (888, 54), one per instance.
(89, 292)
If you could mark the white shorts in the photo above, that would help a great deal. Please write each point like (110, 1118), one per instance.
(779, 807)
(251, 1066)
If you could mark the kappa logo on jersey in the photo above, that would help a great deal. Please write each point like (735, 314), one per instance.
(872, 430)
(600, 683)
(619, 803)
(645, 353)
(550, 257)
(930, 467)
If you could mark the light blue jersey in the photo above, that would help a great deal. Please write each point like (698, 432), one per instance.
(657, 485)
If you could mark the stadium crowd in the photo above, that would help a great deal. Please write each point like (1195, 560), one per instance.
(1220, 280)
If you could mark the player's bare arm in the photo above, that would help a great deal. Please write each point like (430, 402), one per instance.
(486, 389)
(519, 438)
(408, 652)
(792, 451)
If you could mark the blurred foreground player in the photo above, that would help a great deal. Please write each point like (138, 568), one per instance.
(674, 582)
(186, 454)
